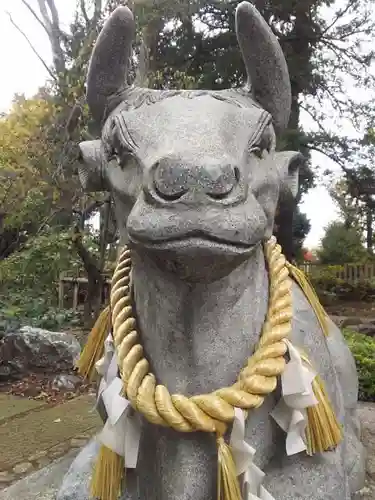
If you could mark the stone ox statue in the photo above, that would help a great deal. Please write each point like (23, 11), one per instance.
(195, 180)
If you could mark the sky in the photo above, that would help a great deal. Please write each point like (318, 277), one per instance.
(23, 73)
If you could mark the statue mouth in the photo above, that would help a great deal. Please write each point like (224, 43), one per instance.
(194, 242)
(196, 257)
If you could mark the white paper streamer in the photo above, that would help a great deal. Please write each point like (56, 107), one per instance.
(243, 455)
(290, 413)
(103, 364)
(107, 365)
(121, 432)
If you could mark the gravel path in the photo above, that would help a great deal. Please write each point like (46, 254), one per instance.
(43, 459)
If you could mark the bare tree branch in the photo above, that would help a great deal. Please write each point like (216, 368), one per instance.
(54, 33)
(86, 48)
(35, 15)
(84, 12)
(48, 219)
(339, 15)
(97, 10)
(332, 156)
(31, 46)
(54, 13)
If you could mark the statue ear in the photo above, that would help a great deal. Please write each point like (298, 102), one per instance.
(90, 169)
(289, 164)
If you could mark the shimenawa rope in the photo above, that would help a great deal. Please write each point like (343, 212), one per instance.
(211, 412)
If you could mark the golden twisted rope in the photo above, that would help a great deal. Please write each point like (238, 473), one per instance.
(205, 412)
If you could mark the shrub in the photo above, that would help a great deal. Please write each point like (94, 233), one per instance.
(363, 349)
(327, 284)
(29, 282)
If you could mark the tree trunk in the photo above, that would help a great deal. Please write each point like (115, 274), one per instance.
(299, 47)
(94, 278)
(284, 224)
(369, 231)
(288, 204)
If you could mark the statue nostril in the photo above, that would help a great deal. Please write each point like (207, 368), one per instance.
(169, 181)
(220, 186)
(237, 174)
(173, 177)
(170, 196)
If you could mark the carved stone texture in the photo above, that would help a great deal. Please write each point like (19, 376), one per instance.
(195, 180)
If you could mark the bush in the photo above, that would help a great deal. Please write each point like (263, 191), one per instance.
(29, 282)
(327, 284)
(363, 349)
(34, 311)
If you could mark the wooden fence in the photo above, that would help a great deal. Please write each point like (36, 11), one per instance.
(73, 290)
(350, 273)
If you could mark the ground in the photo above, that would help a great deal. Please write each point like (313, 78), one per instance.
(360, 309)
(34, 433)
(40, 424)
(39, 386)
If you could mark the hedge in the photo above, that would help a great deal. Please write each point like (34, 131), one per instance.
(363, 349)
(331, 289)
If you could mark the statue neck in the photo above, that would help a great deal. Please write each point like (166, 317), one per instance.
(197, 337)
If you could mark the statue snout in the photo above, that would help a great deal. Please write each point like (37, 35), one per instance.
(172, 178)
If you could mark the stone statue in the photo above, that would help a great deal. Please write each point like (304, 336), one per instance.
(195, 180)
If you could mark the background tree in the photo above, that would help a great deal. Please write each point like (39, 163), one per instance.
(323, 48)
(356, 202)
(185, 44)
(341, 245)
(64, 124)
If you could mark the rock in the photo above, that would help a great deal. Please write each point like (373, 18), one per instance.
(23, 468)
(68, 382)
(328, 298)
(350, 321)
(76, 482)
(77, 442)
(356, 324)
(37, 456)
(6, 477)
(58, 450)
(35, 350)
(367, 329)
(40, 485)
(338, 320)
(43, 461)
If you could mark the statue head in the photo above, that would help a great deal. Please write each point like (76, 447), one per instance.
(194, 175)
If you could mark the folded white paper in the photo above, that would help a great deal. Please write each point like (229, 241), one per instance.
(122, 430)
(123, 438)
(107, 366)
(114, 403)
(243, 455)
(290, 413)
(103, 364)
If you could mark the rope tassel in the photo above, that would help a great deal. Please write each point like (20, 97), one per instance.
(228, 487)
(94, 347)
(323, 432)
(303, 282)
(108, 475)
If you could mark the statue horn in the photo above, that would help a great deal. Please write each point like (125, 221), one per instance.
(267, 71)
(108, 69)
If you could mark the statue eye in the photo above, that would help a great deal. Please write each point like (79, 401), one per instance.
(119, 152)
(114, 155)
(263, 145)
(257, 151)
